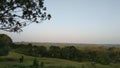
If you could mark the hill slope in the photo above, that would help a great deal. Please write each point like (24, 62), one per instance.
(13, 59)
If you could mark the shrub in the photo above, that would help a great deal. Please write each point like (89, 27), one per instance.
(5, 42)
(4, 48)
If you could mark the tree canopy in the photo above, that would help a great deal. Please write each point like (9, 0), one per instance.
(5, 42)
(16, 14)
(6, 38)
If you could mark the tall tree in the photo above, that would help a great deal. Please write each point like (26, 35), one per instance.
(16, 14)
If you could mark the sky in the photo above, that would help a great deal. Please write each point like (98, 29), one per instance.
(76, 21)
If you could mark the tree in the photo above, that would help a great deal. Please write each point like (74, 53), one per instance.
(114, 53)
(6, 38)
(54, 51)
(16, 14)
(5, 41)
(69, 52)
(42, 51)
(3, 48)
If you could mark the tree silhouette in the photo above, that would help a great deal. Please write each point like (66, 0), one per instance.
(16, 14)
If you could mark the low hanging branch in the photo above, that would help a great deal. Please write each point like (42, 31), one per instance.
(16, 14)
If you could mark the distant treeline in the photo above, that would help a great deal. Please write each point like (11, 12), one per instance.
(96, 54)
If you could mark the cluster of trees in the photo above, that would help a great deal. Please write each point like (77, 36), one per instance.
(93, 54)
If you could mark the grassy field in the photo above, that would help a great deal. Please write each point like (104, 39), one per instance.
(13, 59)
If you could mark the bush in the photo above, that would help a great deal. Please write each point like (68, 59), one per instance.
(35, 63)
(42, 64)
(4, 48)
(5, 42)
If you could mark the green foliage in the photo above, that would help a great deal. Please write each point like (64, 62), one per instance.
(7, 60)
(15, 14)
(35, 63)
(5, 42)
(42, 64)
(18, 66)
(29, 49)
(70, 66)
(54, 51)
(103, 58)
(114, 54)
(42, 51)
(4, 49)
(97, 54)
(69, 52)
(6, 38)
(49, 62)
(82, 66)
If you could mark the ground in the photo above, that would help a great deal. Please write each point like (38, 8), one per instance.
(13, 59)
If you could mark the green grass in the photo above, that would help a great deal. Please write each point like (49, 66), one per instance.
(12, 60)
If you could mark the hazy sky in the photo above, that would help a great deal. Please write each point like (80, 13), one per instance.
(76, 21)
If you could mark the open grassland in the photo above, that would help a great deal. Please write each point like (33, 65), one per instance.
(13, 59)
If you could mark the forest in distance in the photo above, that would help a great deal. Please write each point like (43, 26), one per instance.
(67, 44)
(47, 55)
(96, 54)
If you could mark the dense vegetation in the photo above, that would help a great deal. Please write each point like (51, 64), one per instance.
(90, 55)
(5, 42)
(95, 54)
(60, 57)
(12, 61)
